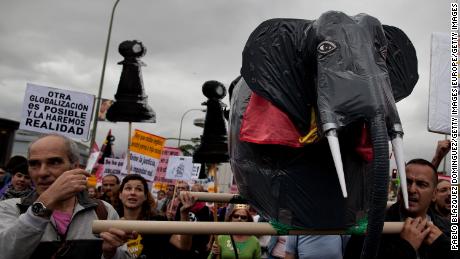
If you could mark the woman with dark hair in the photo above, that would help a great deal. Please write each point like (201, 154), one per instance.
(136, 203)
(247, 247)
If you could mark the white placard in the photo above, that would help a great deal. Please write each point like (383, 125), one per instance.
(113, 166)
(52, 110)
(196, 171)
(439, 98)
(141, 164)
(179, 168)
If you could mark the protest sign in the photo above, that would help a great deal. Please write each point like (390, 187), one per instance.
(196, 171)
(163, 165)
(147, 144)
(113, 166)
(179, 168)
(141, 164)
(439, 97)
(145, 153)
(52, 110)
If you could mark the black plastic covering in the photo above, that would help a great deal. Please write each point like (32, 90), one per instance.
(347, 69)
(274, 67)
(281, 63)
(297, 186)
(401, 62)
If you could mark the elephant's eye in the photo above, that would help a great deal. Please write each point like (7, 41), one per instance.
(326, 47)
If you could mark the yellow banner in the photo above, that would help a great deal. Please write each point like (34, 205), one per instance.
(147, 144)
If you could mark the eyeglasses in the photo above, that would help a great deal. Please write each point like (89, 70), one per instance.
(236, 216)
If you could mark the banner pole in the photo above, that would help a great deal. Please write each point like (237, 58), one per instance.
(128, 154)
(219, 228)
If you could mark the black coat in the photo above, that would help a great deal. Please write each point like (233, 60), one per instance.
(394, 247)
(157, 246)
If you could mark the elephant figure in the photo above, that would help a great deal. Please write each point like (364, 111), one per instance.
(316, 100)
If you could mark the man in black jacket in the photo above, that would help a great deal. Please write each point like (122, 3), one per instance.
(424, 234)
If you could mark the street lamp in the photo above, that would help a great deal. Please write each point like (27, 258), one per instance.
(101, 83)
(182, 119)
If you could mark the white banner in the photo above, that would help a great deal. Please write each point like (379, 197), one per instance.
(179, 168)
(141, 164)
(113, 166)
(52, 110)
(196, 171)
(439, 98)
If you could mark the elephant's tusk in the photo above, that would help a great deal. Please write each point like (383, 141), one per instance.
(335, 150)
(397, 144)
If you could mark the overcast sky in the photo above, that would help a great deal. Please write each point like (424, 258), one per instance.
(61, 43)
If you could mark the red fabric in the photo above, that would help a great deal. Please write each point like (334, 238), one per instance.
(263, 123)
(364, 148)
(198, 206)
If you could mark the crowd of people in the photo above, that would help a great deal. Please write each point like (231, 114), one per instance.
(47, 211)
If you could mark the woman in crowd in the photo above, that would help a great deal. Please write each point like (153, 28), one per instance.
(247, 247)
(20, 185)
(136, 203)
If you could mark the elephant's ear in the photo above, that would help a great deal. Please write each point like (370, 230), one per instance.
(401, 62)
(274, 67)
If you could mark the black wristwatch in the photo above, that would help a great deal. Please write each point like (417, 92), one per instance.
(39, 209)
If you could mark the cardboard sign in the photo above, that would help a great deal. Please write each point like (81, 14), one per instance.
(439, 97)
(163, 165)
(141, 164)
(196, 171)
(179, 168)
(147, 144)
(145, 153)
(113, 166)
(52, 110)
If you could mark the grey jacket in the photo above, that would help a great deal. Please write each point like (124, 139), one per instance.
(24, 235)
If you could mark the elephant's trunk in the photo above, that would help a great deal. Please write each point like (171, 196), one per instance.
(379, 193)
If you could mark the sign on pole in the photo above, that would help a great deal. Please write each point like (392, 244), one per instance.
(179, 168)
(439, 97)
(163, 165)
(145, 152)
(196, 171)
(113, 166)
(52, 110)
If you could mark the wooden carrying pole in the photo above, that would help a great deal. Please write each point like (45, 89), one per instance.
(217, 228)
(128, 153)
(217, 197)
(228, 197)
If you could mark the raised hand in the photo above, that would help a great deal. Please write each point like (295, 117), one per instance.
(187, 201)
(215, 249)
(112, 239)
(433, 234)
(64, 187)
(415, 231)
